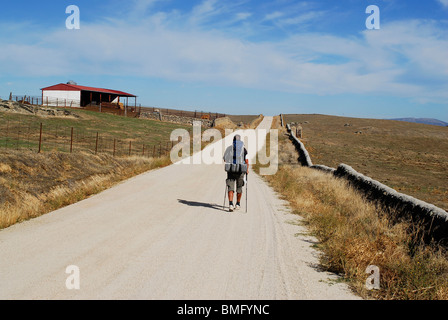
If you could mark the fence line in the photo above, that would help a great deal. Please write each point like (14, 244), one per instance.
(47, 101)
(39, 137)
(182, 113)
(76, 103)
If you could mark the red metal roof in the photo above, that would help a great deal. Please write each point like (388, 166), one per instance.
(72, 87)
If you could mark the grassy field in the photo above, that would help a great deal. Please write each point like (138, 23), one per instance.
(19, 131)
(32, 183)
(105, 149)
(352, 233)
(245, 119)
(411, 158)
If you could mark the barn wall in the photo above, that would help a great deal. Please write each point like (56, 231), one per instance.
(61, 98)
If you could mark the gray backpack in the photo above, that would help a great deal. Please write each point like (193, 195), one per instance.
(234, 158)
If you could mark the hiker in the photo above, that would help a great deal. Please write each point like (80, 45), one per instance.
(236, 166)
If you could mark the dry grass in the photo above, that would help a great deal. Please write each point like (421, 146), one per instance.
(244, 119)
(34, 184)
(411, 158)
(19, 131)
(228, 123)
(254, 124)
(353, 234)
(276, 123)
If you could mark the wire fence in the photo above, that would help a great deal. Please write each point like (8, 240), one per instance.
(105, 107)
(26, 99)
(47, 101)
(182, 113)
(58, 102)
(38, 137)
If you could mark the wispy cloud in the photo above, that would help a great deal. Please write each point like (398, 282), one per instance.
(242, 16)
(405, 58)
(273, 15)
(204, 11)
(302, 18)
(141, 7)
(443, 3)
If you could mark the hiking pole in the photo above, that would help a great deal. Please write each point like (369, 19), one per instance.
(225, 192)
(247, 181)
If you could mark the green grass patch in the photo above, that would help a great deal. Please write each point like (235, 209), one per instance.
(92, 132)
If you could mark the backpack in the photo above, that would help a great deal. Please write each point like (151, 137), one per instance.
(234, 158)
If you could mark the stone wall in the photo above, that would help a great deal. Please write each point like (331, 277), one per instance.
(304, 156)
(18, 107)
(225, 123)
(433, 220)
(175, 119)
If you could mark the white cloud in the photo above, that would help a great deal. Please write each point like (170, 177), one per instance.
(273, 15)
(406, 58)
(243, 16)
(205, 7)
(204, 11)
(302, 18)
(444, 3)
(140, 7)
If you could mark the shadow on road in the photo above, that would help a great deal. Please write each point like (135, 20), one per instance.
(202, 204)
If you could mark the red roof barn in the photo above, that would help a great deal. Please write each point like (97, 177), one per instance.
(73, 95)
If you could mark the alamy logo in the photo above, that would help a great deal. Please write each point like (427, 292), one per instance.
(373, 21)
(255, 142)
(73, 280)
(373, 281)
(73, 20)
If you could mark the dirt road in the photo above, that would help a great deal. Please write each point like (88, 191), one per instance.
(164, 235)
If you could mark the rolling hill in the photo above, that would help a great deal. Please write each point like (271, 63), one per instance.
(430, 121)
(409, 157)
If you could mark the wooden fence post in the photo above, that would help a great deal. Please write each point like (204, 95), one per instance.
(18, 137)
(7, 134)
(96, 144)
(40, 139)
(71, 141)
(28, 135)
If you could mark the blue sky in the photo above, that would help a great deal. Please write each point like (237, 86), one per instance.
(237, 57)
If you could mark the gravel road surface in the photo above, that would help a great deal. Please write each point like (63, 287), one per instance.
(165, 235)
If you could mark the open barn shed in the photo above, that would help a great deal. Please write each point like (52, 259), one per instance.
(73, 95)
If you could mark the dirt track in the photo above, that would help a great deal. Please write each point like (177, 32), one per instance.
(164, 235)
